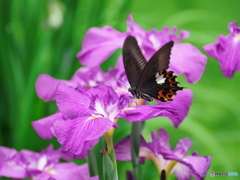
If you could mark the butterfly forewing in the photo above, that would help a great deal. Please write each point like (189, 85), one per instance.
(158, 62)
(133, 59)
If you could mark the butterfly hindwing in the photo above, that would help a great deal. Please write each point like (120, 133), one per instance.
(162, 87)
(133, 59)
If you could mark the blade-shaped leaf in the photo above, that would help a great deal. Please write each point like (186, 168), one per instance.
(92, 163)
(109, 172)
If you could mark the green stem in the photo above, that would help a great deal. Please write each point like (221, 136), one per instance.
(111, 152)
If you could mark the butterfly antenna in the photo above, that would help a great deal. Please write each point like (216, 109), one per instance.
(121, 81)
(135, 102)
(130, 97)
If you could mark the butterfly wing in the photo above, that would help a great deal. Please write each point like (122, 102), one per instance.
(155, 80)
(133, 59)
(158, 62)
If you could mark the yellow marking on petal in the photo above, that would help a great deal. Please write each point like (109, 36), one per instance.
(121, 90)
(50, 171)
(137, 103)
(170, 167)
(238, 36)
(95, 117)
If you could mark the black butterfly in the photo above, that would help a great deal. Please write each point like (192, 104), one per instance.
(150, 79)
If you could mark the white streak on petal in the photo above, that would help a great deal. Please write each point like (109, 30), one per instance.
(42, 162)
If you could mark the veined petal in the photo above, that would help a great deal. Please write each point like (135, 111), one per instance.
(227, 50)
(144, 112)
(160, 141)
(105, 93)
(72, 102)
(181, 102)
(198, 166)
(182, 147)
(188, 60)
(87, 146)
(72, 134)
(99, 44)
(105, 102)
(88, 77)
(43, 127)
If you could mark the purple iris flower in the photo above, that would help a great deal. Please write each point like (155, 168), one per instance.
(172, 161)
(44, 165)
(85, 115)
(100, 43)
(89, 114)
(227, 50)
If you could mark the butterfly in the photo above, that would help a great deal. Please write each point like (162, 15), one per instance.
(150, 79)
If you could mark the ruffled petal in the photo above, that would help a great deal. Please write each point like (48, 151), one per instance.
(161, 141)
(72, 102)
(73, 134)
(188, 60)
(88, 77)
(144, 112)
(227, 50)
(99, 44)
(182, 147)
(198, 166)
(105, 93)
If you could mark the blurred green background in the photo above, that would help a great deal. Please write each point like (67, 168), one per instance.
(44, 36)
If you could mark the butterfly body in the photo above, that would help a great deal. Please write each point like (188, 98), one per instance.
(139, 94)
(150, 79)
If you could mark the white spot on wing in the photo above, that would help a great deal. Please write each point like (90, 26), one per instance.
(160, 79)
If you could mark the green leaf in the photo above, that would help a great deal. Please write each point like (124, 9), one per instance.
(109, 172)
(92, 163)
